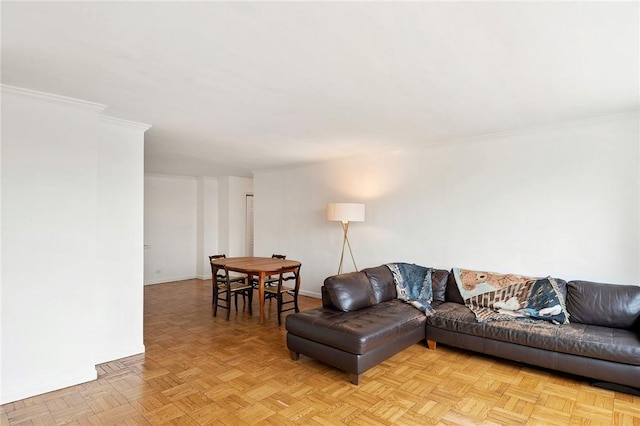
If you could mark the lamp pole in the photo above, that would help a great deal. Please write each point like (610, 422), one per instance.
(345, 240)
(345, 213)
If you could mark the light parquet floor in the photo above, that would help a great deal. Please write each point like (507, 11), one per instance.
(200, 370)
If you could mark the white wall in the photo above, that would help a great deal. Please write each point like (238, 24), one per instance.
(207, 225)
(56, 175)
(1, 260)
(187, 219)
(170, 227)
(562, 201)
(119, 293)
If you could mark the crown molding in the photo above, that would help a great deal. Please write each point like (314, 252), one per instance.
(124, 123)
(165, 175)
(49, 97)
(536, 129)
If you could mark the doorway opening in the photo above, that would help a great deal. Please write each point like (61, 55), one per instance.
(249, 225)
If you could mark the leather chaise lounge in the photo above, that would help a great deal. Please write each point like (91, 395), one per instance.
(361, 323)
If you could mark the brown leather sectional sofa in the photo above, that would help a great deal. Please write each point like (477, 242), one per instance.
(361, 324)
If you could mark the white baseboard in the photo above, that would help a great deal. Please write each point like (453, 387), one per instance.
(311, 294)
(169, 279)
(139, 349)
(48, 385)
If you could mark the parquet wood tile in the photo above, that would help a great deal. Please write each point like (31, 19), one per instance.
(200, 370)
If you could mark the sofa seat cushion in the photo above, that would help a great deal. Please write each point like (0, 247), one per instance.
(454, 316)
(360, 331)
(611, 344)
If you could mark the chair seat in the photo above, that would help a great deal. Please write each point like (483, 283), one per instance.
(274, 290)
(269, 280)
(235, 286)
(234, 276)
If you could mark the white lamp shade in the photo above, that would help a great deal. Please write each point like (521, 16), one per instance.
(345, 212)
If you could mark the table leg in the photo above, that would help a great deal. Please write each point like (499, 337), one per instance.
(261, 295)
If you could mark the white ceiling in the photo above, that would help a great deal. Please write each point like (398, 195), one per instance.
(235, 87)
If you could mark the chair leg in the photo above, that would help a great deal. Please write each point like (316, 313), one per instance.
(228, 304)
(279, 308)
(250, 296)
(295, 302)
(215, 302)
(235, 297)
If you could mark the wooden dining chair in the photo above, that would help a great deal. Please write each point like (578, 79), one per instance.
(224, 292)
(270, 280)
(286, 294)
(224, 284)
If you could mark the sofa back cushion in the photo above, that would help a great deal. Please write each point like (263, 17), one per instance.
(562, 288)
(382, 284)
(606, 305)
(349, 292)
(452, 293)
(439, 278)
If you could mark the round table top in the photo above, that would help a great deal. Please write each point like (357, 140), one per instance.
(255, 264)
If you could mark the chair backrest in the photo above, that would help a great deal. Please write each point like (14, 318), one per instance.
(224, 279)
(277, 256)
(221, 275)
(289, 274)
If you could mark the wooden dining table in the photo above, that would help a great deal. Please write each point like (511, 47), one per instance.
(260, 267)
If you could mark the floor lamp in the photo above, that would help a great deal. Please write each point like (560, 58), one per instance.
(345, 213)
